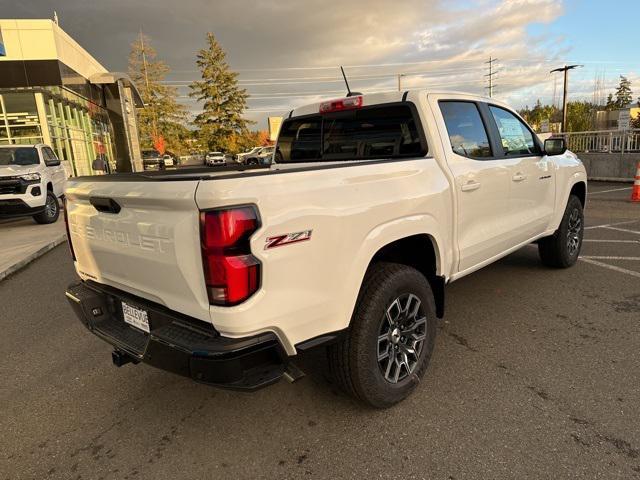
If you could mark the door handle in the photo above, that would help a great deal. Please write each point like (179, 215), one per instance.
(518, 177)
(106, 205)
(470, 186)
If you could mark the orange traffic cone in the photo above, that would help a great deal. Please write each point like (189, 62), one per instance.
(635, 193)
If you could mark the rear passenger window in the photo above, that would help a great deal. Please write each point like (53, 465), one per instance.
(377, 132)
(516, 138)
(299, 140)
(387, 131)
(466, 130)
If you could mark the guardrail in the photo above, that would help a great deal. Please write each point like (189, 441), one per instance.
(604, 141)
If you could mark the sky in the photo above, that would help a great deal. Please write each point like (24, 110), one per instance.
(288, 52)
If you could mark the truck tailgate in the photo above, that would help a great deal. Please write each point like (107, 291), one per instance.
(145, 240)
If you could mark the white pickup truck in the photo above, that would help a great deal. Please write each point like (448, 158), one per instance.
(376, 202)
(32, 180)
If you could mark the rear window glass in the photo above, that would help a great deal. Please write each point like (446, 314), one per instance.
(466, 130)
(375, 132)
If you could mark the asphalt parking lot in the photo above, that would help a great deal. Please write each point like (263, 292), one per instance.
(535, 375)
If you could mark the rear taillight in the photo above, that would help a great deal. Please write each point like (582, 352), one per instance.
(66, 224)
(231, 273)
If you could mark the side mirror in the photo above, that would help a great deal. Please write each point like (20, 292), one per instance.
(555, 146)
(52, 163)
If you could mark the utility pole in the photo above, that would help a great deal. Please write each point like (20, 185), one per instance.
(565, 69)
(490, 75)
(154, 129)
(400, 75)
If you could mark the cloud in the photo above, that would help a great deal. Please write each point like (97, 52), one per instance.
(290, 43)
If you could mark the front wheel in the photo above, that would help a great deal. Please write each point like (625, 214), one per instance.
(561, 250)
(387, 349)
(51, 210)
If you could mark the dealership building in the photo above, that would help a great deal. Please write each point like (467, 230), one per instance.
(52, 91)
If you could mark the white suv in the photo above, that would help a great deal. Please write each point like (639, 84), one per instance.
(213, 159)
(31, 182)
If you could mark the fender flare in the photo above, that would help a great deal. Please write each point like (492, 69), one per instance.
(385, 234)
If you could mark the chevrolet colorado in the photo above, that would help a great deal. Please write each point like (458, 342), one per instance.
(375, 203)
(32, 179)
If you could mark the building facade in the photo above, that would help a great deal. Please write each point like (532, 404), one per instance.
(52, 91)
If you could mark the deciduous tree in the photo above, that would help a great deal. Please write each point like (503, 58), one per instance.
(162, 115)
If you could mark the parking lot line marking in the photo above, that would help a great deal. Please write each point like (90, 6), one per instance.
(611, 224)
(611, 267)
(622, 230)
(612, 190)
(604, 257)
(610, 241)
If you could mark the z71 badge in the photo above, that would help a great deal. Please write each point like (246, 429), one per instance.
(287, 239)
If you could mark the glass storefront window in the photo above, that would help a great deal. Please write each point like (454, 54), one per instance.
(20, 123)
(79, 130)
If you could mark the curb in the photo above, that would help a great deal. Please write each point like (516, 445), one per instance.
(33, 256)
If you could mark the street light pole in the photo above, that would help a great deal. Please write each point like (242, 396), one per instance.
(565, 69)
(400, 75)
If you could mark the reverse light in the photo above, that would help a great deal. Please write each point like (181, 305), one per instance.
(349, 103)
(232, 273)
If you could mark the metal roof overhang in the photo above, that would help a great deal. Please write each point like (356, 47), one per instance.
(108, 78)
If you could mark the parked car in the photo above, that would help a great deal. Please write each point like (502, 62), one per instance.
(377, 203)
(169, 160)
(152, 160)
(215, 159)
(32, 180)
(265, 157)
(242, 157)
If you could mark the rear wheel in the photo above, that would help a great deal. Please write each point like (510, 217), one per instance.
(561, 250)
(390, 341)
(51, 210)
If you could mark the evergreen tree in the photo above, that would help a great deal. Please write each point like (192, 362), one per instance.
(623, 93)
(162, 116)
(221, 121)
(611, 104)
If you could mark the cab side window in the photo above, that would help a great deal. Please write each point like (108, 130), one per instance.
(49, 155)
(515, 136)
(467, 133)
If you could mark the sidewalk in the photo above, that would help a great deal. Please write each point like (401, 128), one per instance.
(22, 241)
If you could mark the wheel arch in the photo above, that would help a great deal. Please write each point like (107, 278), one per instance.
(397, 241)
(419, 251)
(579, 189)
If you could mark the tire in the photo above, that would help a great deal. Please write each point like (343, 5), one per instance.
(51, 210)
(253, 161)
(561, 250)
(357, 361)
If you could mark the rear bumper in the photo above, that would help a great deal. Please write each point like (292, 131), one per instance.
(177, 343)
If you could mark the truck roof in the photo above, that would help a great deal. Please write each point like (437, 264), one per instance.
(390, 97)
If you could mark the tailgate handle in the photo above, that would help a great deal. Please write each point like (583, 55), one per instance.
(106, 205)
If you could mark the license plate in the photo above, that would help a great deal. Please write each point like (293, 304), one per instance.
(135, 316)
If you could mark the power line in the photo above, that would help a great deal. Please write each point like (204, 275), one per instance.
(311, 80)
